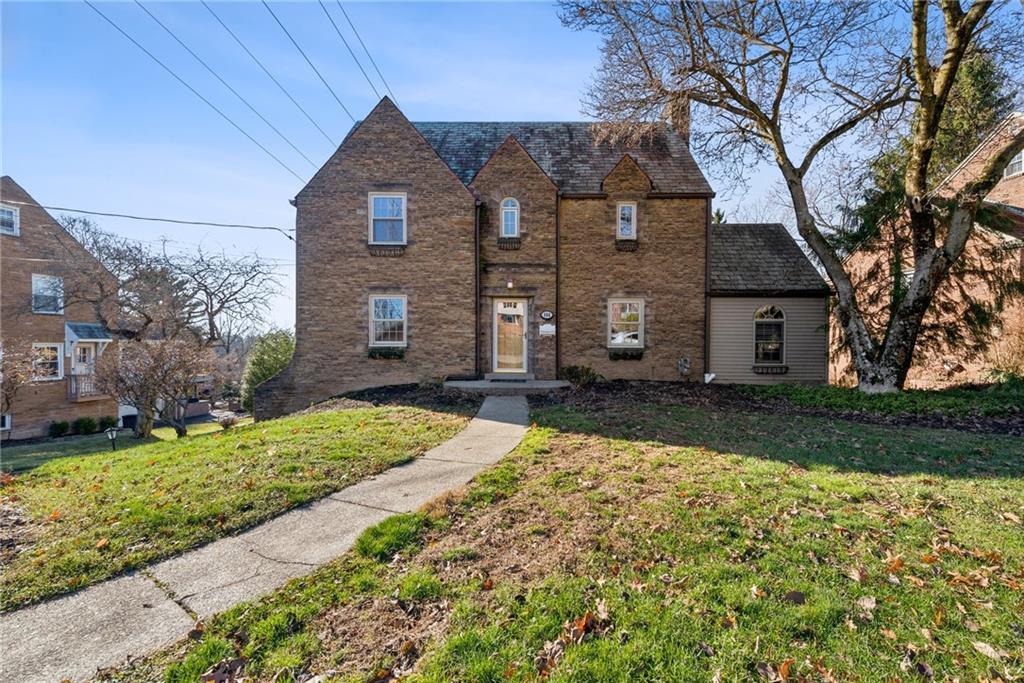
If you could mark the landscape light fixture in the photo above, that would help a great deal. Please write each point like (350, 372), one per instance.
(112, 435)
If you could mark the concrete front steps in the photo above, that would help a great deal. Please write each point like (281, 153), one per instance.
(507, 387)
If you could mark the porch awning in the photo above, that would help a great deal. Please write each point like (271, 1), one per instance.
(86, 332)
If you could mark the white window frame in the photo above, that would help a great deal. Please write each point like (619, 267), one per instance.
(643, 315)
(618, 221)
(5, 422)
(405, 223)
(1017, 158)
(514, 210)
(753, 345)
(60, 361)
(41, 277)
(405, 321)
(14, 232)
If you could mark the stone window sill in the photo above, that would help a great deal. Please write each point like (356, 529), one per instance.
(770, 369)
(509, 243)
(386, 249)
(387, 352)
(626, 245)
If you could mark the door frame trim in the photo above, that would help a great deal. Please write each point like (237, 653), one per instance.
(494, 335)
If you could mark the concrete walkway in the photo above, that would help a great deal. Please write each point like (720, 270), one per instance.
(101, 626)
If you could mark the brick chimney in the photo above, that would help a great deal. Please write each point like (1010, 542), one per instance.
(677, 114)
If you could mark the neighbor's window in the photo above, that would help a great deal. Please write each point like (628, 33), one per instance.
(1016, 165)
(47, 362)
(626, 229)
(387, 320)
(387, 218)
(769, 335)
(5, 423)
(47, 294)
(626, 323)
(509, 218)
(10, 220)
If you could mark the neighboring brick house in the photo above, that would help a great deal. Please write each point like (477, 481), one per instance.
(66, 340)
(998, 253)
(509, 251)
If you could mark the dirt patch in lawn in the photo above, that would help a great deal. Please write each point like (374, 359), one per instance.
(611, 394)
(426, 397)
(16, 532)
(381, 637)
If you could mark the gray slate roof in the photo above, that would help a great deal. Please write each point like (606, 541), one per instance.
(88, 331)
(759, 258)
(567, 153)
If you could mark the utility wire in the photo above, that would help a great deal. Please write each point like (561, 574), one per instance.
(224, 83)
(308, 61)
(178, 221)
(267, 72)
(353, 27)
(194, 91)
(348, 47)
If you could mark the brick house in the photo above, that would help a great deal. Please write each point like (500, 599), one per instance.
(515, 250)
(66, 340)
(996, 250)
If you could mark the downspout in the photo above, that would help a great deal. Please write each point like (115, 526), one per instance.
(558, 284)
(707, 285)
(476, 290)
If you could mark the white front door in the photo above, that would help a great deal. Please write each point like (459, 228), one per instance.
(509, 335)
(84, 360)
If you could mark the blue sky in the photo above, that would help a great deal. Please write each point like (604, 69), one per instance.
(88, 121)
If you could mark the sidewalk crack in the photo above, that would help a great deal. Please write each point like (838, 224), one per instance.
(169, 593)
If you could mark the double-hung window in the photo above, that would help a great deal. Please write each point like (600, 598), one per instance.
(388, 318)
(1016, 165)
(10, 220)
(387, 218)
(625, 227)
(509, 217)
(47, 294)
(769, 336)
(626, 323)
(47, 362)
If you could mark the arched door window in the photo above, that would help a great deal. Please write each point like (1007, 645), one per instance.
(769, 335)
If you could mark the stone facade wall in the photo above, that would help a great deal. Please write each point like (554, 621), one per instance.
(337, 271)
(529, 263)
(40, 248)
(666, 270)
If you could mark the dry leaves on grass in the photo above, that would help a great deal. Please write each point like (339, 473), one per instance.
(591, 624)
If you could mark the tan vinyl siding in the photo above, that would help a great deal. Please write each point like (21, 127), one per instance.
(731, 344)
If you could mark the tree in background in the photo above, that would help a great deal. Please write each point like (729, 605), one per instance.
(270, 354)
(718, 216)
(15, 370)
(155, 376)
(964, 315)
(784, 82)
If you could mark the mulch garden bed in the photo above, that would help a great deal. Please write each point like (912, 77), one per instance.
(609, 394)
(426, 397)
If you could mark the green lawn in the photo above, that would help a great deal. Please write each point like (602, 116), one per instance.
(703, 546)
(100, 513)
(20, 458)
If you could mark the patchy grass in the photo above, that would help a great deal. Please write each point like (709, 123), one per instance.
(994, 400)
(705, 545)
(96, 515)
(382, 541)
(23, 457)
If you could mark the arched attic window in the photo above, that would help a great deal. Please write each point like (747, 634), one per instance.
(509, 217)
(769, 336)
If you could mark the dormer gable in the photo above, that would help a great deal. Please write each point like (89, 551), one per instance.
(626, 177)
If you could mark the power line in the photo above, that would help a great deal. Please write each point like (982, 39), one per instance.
(194, 91)
(308, 61)
(353, 27)
(267, 72)
(178, 221)
(348, 47)
(224, 83)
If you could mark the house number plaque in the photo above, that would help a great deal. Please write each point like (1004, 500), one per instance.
(546, 315)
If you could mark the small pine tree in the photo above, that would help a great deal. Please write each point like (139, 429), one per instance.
(270, 354)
